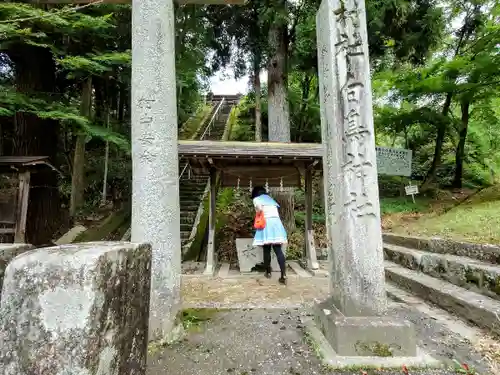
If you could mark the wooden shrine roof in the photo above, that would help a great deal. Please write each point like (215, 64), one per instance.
(256, 163)
(9, 164)
(250, 150)
(22, 161)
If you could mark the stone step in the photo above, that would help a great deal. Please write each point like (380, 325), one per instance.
(194, 193)
(190, 193)
(189, 207)
(188, 214)
(187, 220)
(185, 234)
(215, 135)
(191, 198)
(185, 180)
(462, 271)
(477, 308)
(482, 252)
(190, 202)
(186, 227)
(193, 180)
(191, 189)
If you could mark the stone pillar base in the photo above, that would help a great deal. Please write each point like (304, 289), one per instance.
(369, 340)
(365, 336)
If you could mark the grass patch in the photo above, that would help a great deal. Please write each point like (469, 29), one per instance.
(471, 222)
(403, 205)
(309, 341)
(192, 319)
(475, 220)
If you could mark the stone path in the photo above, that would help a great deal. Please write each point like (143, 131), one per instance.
(258, 329)
(272, 342)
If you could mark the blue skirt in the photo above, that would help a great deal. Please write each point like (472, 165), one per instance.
(273, 233)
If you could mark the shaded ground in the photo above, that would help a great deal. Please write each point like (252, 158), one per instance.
(272, 341)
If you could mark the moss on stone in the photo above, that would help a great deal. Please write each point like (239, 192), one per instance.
(195, 247)
(192, 126)
(496, 287)
(473, 277)
(114, 221)
(375, 348)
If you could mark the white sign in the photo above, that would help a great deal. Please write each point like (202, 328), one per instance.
(411, 189)
(394, 161)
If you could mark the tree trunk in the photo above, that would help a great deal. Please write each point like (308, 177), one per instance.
(278, 112)
(32, 136)
(460, 152)
(122, 103)
(77, 178)
(100, 98)
(438, 148)
(278, 109)
(306, 86)
(106, 163)
(258, 124)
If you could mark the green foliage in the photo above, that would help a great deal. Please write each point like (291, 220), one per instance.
(75, 43)
(465, 70)
(402, 205)
(12, 102)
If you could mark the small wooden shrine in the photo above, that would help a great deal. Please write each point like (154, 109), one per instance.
(15, 176)
(247, 164)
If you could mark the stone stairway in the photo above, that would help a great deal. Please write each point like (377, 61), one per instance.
(192, 187)
(461, 278)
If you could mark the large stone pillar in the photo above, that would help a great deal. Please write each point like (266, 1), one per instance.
(76, 309)
(349, 165)
(352, 319)
(155, 185)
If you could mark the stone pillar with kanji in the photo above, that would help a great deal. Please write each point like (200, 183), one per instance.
(353, 319)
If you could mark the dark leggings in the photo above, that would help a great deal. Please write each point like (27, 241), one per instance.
(279, 255)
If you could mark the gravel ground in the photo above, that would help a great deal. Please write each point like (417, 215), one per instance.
(252, 291)
(272, 341)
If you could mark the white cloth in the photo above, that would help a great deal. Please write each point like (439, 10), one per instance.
(269, 211)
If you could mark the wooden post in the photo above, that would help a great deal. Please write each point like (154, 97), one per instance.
(22, 207)
(312, 260)
(210, 268)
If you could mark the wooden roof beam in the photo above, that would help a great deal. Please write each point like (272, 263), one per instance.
(250, 150)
